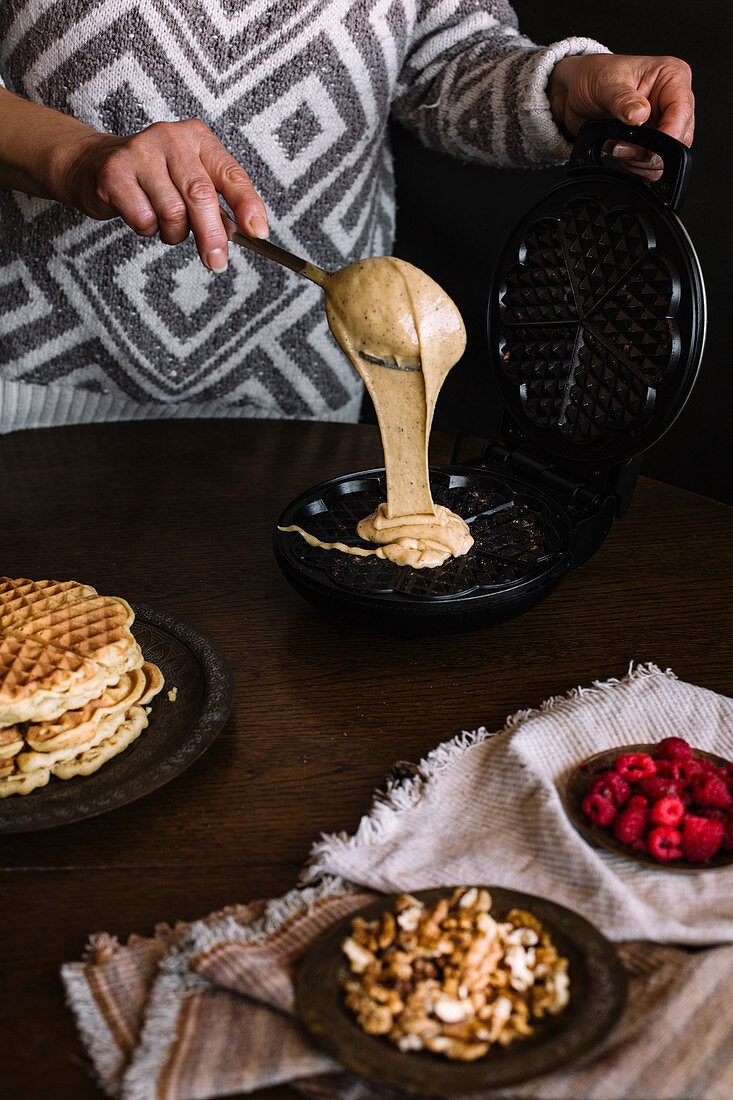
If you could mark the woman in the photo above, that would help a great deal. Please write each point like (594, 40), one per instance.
(145, 113)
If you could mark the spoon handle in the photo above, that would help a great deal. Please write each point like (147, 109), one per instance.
(281, 256)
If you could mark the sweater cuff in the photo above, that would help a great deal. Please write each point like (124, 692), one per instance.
(541, 137)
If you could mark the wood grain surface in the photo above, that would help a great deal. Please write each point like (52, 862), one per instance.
(179, 515)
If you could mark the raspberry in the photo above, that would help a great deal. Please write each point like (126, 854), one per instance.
(709, 790)
(664, 843)
(701, 837)
(728, 834)
(655, 788)
(599, 809)
(688, 770)
(633, 766)
(667, 811)
(639, 802)
(673, 748)
(669, 769)
(629, 825)
(724, 774)
(611, 786)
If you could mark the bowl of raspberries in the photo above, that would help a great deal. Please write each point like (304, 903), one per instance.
(667, 805)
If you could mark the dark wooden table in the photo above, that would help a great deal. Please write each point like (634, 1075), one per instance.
(179, 515)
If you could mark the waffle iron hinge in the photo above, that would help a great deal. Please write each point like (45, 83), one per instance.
(592, 504)
(574, 494)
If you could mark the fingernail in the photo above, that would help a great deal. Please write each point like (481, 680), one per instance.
(623, 151)
(636, 111)
(259, 227)
(217, 260)
(656, 162)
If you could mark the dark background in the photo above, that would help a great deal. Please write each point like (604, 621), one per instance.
(453, 219)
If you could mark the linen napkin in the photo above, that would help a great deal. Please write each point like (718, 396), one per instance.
(207, 1009)
(488, 808)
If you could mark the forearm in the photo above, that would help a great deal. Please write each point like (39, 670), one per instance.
(478, 89)
(35, 146)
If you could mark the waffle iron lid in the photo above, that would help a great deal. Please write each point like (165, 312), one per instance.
(596, 314)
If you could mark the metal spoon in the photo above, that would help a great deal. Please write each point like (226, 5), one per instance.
(310, 271)
(282, 256)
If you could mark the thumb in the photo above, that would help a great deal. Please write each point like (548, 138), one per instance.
(627, 104)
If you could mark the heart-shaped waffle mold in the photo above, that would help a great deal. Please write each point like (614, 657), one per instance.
(588, 329)
(517, 538)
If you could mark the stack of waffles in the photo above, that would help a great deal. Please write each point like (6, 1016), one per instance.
(73, 682)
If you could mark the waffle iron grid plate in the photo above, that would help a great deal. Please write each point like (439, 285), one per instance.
(521, 544)
(597, 309)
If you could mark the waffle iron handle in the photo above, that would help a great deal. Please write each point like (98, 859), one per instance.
(670, 188)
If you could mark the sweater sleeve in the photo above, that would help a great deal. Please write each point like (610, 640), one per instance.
(473, 86)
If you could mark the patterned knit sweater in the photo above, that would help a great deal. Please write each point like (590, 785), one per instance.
(99, 324)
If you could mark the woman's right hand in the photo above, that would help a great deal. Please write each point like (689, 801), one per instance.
(165, 179)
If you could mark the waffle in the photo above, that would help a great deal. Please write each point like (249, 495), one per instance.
(17, 597)
(7, 766)
(61, 645)
(73, 683)
(76, 731)
(95, 735)
(92, 759)
(11, 742)
(20, 783)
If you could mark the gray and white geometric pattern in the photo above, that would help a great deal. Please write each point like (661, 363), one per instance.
(299, 91)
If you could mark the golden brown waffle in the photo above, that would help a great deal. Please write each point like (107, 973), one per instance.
(11, 742)
(42, 681)
(61, 644)
(7, 767)
(40, 596)
(48, 742)
(94, 627)
(107, 732)
(75, 727)
(18, 783)
(29, 760)
(92, 759)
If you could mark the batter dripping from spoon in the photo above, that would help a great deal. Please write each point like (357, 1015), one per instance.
(402, 333)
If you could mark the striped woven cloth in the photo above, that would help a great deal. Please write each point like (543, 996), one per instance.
(207, 1009)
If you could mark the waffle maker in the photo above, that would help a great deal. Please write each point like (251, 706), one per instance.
(596, 326)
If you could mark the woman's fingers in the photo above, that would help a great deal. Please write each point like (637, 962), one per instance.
(168, 179)
(118, 192)
(674, 102)
(194, 184)
(636, 158)
(230, 226)
(656, 91)
(623, 101)
(167, 202)
(235, 187)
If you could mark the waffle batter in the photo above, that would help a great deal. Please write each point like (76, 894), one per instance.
(384, 309)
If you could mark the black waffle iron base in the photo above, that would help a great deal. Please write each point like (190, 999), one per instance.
(523, 542)
(596, 331)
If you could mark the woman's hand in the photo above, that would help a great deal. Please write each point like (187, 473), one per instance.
(635, 90)
(165, 179)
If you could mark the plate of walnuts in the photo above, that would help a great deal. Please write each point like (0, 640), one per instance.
(459, 989)
(665, 805)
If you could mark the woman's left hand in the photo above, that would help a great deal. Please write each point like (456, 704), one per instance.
(656, 90)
